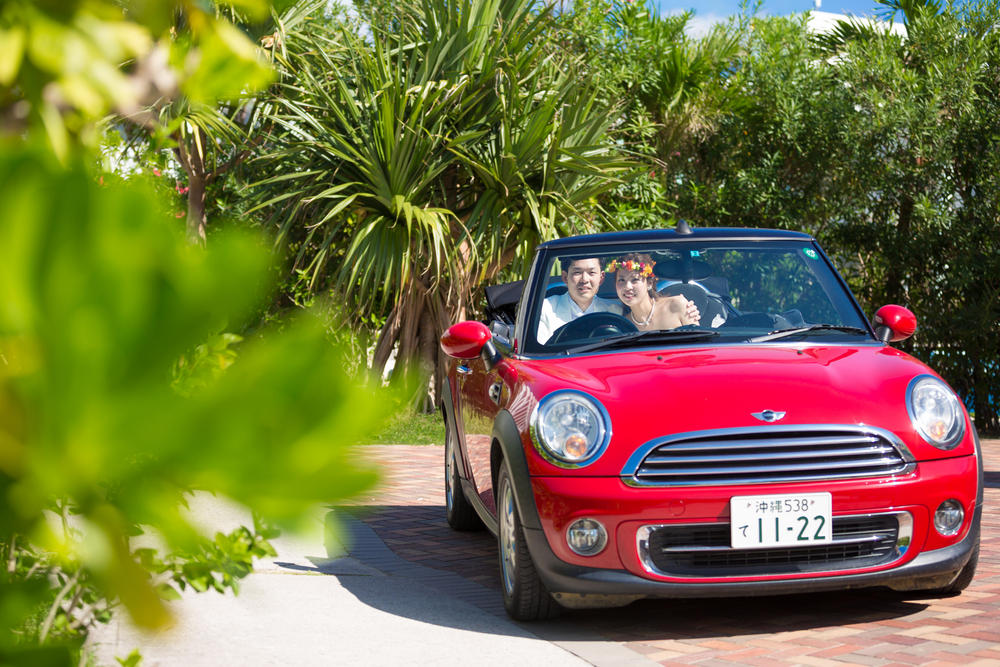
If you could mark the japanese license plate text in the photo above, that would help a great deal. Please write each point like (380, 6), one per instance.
(799, 519)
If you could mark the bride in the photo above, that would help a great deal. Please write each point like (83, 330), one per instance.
(636, 287)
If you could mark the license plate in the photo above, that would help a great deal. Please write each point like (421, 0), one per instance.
(784, 520)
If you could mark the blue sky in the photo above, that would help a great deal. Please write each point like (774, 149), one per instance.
(723, 8)
(710, 11)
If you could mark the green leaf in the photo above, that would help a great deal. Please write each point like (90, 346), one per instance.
(134, 659)
(12, 46)
(227, 65)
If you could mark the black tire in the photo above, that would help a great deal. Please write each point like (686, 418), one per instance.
(524, 595)
(459, 511)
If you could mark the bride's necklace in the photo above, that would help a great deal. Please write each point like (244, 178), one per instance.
(645, 322)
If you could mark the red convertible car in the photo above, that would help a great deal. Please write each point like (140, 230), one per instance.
(708, 412)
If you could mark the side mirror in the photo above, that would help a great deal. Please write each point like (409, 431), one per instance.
(468, 340)
(894, 323)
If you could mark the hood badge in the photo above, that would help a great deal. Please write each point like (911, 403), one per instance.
(768, 415)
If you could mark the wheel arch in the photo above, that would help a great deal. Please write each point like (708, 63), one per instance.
(508, 449)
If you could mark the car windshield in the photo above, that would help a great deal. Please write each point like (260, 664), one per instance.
(596, 297)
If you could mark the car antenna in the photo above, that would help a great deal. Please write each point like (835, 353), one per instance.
(682, 227)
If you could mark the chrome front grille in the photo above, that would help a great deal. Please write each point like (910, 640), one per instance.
(768, 454)
(703, 550)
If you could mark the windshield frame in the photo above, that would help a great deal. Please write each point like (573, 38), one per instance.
(829, 279)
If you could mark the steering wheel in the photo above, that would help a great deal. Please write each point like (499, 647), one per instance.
(709, 306)
(594, 325)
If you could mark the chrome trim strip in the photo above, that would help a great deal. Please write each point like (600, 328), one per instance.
(752, 456)
(904, 536)
(849, 434)
(722, 470)
(785, 442)
(852, 540)
(746, 481)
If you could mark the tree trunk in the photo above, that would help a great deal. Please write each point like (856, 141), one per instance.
(193, 163)
(196, 217)
(386, 341)
(427, 359)
(895, 287)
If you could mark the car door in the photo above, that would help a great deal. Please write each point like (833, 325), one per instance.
(479, 394)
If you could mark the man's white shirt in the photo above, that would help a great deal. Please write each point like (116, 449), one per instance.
(560, 309)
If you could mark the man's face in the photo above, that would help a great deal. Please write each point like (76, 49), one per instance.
(583, 277)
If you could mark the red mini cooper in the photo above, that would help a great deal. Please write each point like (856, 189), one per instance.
(695, 413)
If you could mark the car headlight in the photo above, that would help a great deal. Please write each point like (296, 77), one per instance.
(935, 411)
(570, 429)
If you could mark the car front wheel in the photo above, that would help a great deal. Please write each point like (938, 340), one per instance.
(524, 595)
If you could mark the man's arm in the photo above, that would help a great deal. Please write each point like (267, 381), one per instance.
(548, 322)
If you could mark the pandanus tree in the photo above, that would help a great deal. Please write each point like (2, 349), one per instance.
(420, 155)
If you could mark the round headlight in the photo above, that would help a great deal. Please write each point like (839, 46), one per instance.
(935, 411)
(570, 429)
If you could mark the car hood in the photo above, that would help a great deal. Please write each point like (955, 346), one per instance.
(650, 394)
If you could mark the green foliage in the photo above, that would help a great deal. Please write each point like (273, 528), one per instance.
(216, 565)
(100, 298)
(673, 91)
(62, 61)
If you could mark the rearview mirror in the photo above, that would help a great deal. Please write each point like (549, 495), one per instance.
(468, 340)
(894, 323)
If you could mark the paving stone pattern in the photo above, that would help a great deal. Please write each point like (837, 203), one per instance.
(858, 628)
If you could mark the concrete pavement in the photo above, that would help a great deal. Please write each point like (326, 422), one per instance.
(314, 604)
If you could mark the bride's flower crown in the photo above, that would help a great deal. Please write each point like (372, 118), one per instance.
(644, 269)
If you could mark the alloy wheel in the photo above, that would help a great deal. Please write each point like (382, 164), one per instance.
(508, 537)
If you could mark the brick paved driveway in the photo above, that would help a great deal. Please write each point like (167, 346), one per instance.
(861, 628)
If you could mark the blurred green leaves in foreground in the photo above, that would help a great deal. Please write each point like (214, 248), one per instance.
(106, 314)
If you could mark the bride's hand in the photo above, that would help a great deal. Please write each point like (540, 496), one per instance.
(691, 314)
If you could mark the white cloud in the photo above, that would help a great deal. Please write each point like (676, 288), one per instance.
(699, 25)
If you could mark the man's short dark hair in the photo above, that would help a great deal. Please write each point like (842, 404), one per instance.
(566, 262)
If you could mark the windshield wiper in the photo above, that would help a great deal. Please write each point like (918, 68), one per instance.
(661, 335)
(785, 333)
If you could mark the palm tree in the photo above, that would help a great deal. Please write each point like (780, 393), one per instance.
(420, 157)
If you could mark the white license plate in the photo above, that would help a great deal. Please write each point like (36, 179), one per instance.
(784, 520)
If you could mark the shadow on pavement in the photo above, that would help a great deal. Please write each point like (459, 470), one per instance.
(648, 620)
(991, 479)
(450, 563)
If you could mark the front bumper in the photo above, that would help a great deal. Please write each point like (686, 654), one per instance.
(930, 569)
(928, 561)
